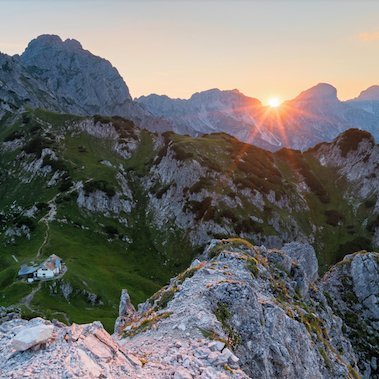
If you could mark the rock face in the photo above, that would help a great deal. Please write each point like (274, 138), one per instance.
(356, 156)
(245, 299)
(305, 256)
(353, 288)
(19, 88)
(82, 82)
(237, 313)
(63, 77)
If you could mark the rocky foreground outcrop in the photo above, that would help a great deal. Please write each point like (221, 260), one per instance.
(238, 312)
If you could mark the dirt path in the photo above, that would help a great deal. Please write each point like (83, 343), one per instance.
(46, 239)
(50, 216)
(64, 316)
(29, 298)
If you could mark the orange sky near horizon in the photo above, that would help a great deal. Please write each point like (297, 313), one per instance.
(264, 48)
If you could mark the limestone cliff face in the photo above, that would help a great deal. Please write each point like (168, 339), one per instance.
(259, 305)
(356, 156)
(240, 312)
(19, 88)
(63, 77)
(353, 292)
(180, 183)
(82, 82)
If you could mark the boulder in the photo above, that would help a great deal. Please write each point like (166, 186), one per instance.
(31, 336)
(305, 255)
(125, 311)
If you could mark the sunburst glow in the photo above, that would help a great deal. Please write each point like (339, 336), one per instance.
(274, 102)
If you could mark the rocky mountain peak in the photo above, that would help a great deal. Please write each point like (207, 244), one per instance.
(45, 40)
(82, 82)
(320, 92)
(50, 42)
(370, 94)
(216, 94)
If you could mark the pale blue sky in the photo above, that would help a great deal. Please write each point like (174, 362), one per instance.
(174, 47)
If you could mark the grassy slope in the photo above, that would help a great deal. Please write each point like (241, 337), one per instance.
(96, 263)
(240, 161)
(103, 264)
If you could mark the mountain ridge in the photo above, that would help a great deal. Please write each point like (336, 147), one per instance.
(240, 301)
(40, 80)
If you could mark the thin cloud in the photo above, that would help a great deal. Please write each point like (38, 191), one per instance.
(368, 36)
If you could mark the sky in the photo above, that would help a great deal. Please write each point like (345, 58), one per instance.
(177, 47)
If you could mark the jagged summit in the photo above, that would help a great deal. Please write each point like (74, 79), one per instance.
(321, 91)
(61, 76)
(226, 96)
(49, 41)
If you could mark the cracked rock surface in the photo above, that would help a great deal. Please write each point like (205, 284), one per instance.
(239, 312)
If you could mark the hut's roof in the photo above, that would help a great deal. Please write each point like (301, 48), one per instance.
(26, 270)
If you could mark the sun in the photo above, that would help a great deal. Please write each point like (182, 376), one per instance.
(273, 102)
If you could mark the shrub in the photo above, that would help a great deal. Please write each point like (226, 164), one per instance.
(124, 127)
(36, 145)
(352, 246)
(351, 139)
(181, 154)
(160, 190)
(200, 207)
(82, 149)
(25, 118)
(223, 315)
(370, 203)
(13, 136)
(373, 224)
(66, 183)
(111, 230)
(296, 160)
(333, 217)
(228, 213)
(166, 297)
(247, 226)
(42, 206)
(162, 153)
(99, 185)
(23, 220)
(198, 186)
(56, 165)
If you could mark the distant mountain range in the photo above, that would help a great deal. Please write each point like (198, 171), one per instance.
(314, 116)
(63, 77)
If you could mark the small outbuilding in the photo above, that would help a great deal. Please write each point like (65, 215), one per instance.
(27, 271)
